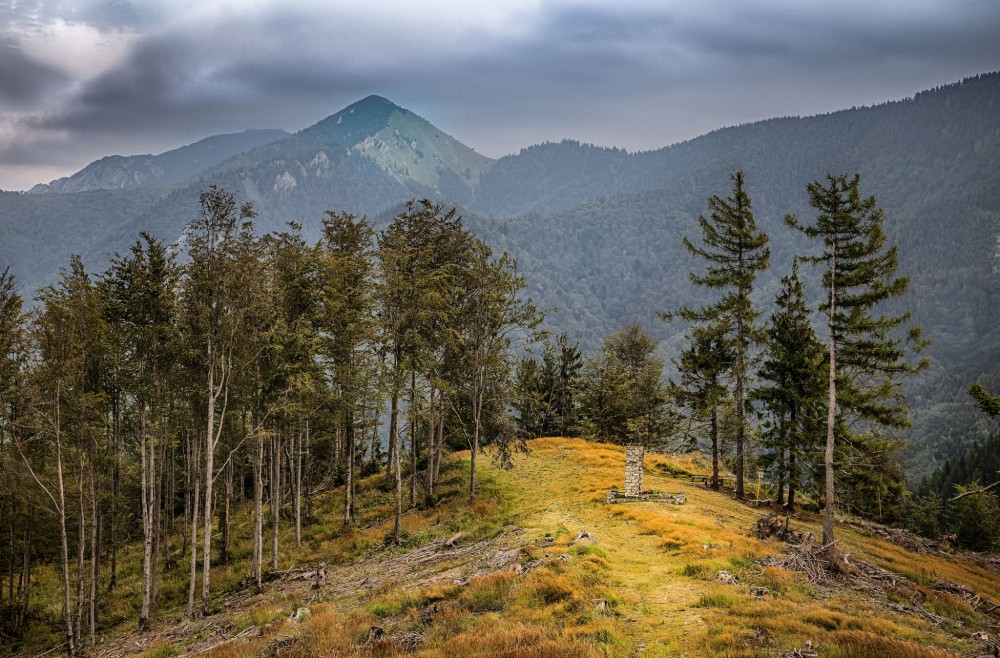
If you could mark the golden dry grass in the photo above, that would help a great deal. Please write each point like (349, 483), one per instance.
(649, 586)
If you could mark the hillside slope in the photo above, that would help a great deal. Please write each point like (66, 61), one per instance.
(520, 581)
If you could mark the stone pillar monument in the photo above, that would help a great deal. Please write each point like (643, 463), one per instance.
(634, 458)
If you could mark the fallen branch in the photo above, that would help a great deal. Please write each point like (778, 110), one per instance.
(977, 491)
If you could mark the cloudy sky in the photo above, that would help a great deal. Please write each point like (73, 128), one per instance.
(86, 78)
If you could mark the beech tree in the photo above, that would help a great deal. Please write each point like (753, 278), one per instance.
(736, 252)
(221, 249)
(140, 297)
(491, 312)
(348, 323)
(866, 354)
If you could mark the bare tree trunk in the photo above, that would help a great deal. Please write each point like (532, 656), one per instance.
(157, 490)
(258, 507)
(394, 459)
(63, 535)
(145, 474)
(375, 426)
(298, 487)
(26, 569)
(188, 491)
(195, 491)
(11, 553)
(740, 411)
(305, 476)
(431, 427)
(781, 476)
(831, 416)
(81, 548)
(275, 496)
(440, 438)
(349, 467)
(224, 513)
(715, 447)
(210, 442)
(478, 394)
(95, 555)
(115, 491)
(413, 437)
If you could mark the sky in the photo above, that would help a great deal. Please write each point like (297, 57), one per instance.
(83, 79)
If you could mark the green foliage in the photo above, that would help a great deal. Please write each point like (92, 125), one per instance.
(868, 349)
(792, 391)
(548, 391)
(736, 252)
(975, 519)
(623, 399)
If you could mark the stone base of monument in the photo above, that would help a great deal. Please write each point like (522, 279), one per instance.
(616, 496)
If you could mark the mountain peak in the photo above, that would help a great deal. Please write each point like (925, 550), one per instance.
(404, 145)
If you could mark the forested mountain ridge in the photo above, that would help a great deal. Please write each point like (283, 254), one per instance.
(116, 172)
(597, 231)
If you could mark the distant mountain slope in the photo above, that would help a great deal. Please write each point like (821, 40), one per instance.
(597, 231)
(117, 172)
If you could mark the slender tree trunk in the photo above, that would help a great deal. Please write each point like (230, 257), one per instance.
(26, 570)
(258, 506)
(431, 427)
(115, 491)
(188, 492)
(394, 459)
(413, 437)
(224, 513)
(375, 426)
(740, 425)
(298, 487)
(792, 471)
(348, 467)
(11, 553)
(95, 556)
(195, 492)
(157, 490)
(210, 441)
(715, 447)
(477, 407)
(145, 475)
(831, 416)
(275, 496)
(63, 534)
(81, 548)
(305, 476)
(781, 475)
(440, 439)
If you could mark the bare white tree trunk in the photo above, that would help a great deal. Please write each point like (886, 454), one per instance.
(831, 414)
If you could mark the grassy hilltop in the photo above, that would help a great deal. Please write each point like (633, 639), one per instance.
(508, 576)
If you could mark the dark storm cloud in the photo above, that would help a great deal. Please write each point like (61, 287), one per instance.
(24, 81)
(641, 75)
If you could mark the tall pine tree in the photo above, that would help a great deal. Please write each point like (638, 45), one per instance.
(736, 252)
(866, 356)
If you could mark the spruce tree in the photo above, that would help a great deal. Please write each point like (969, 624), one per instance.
(793, 388)
(702, 364)
(866, 355)
(736, 251)
(623, 398)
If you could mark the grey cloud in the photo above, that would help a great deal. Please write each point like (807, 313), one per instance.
(24, 81)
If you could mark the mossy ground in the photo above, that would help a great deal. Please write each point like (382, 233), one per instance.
(519, 585)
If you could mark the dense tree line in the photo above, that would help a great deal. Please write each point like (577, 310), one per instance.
(143, 402)
(961, 497)
(771, 396)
